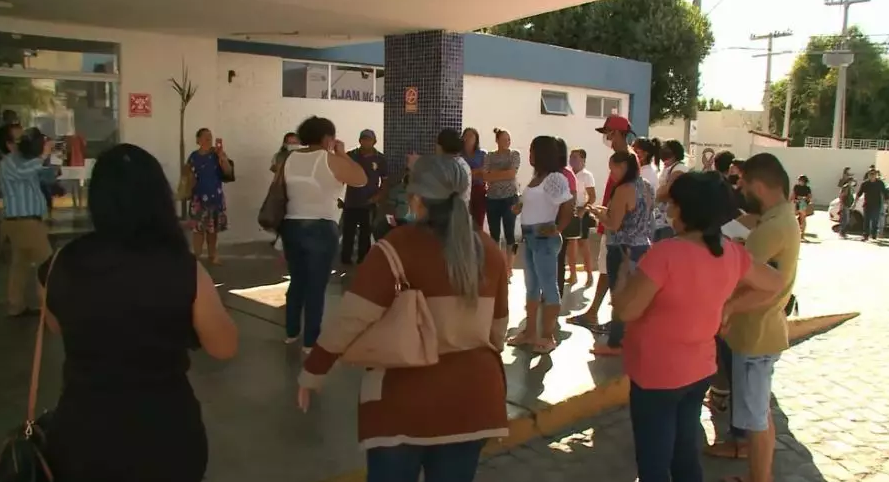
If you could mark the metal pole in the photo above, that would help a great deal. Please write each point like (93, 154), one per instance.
(767, 91)
(841, 87)
(785, 133)
(839, 105)
(686, 131)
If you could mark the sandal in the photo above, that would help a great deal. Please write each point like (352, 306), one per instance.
(544, 346)
(523, 338)
(716, 402)
(729, 449)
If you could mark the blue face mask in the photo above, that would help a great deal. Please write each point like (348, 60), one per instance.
(410, 217)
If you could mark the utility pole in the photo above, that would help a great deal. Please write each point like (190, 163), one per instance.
(686, 135)
(785, 133)
(767, 91)
(841, 59)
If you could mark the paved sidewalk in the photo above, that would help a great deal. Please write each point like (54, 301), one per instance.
(830, 396)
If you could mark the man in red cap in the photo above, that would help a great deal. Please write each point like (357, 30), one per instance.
(614, 135)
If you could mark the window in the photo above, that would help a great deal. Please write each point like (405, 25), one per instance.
(380, 85)
(602, 106)
(594, 106)
(51, 54)
(305, 80)
(611, 106)
(554, 103)
(352, 83)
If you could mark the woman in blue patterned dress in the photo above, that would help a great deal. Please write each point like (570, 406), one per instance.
(208, 218)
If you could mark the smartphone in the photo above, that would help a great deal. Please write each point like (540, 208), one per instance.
(218, 143)
(391, 220)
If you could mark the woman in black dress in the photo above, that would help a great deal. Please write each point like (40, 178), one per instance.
(130, 300)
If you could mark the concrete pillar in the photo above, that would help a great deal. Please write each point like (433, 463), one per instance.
(424, 93)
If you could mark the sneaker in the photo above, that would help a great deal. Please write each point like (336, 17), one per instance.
(291, 340)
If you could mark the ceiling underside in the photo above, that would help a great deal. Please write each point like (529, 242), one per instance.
(296, 22)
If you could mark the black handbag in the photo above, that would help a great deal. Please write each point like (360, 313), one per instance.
(23, 452)
(230, 175)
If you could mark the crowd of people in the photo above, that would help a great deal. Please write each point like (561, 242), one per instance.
(661, 227)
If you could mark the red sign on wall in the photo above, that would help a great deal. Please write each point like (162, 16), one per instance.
(140, 105)
(411, 98)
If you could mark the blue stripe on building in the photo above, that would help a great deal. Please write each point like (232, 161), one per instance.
(492, 56)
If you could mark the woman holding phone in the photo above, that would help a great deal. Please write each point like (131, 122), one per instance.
(208, 164)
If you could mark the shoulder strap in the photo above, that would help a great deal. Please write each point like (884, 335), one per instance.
(38, 344)
(394, 262)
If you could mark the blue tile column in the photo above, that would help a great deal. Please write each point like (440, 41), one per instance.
(431, 62)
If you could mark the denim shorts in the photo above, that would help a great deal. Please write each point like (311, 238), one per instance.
(541, 266)
(752, 390)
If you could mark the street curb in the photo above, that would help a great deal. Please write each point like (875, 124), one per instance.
(798, 329)
(550, 420)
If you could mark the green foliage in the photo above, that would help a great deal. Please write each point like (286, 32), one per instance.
(19, 92)
(814, 92)
(712, 105)
(671, 35)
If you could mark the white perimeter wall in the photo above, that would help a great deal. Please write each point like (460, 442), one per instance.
(147, 61)
(515, 106)
(253, 117)
(823, 166)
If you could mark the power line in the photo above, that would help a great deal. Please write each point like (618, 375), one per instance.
(767, 90)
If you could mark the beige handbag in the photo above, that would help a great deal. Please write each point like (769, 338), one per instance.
(405, 336)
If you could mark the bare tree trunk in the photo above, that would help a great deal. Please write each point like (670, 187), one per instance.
(183, 204)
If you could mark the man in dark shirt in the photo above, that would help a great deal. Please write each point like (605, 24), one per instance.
(875, 194)
(360, 204)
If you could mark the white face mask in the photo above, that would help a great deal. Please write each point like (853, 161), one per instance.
(292, 147)
(605, 140)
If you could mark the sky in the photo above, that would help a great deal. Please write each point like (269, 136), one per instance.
(736, 78)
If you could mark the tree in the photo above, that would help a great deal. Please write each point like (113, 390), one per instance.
(712, 105)
(186, 92)
(814, 92)
(671, 35)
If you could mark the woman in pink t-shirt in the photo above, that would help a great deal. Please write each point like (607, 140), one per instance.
(669, 350)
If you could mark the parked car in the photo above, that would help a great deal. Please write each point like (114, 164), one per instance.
(856, 217)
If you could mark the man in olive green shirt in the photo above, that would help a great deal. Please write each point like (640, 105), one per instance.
(758, 337)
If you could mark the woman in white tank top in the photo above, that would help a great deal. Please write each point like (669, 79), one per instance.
(315, 177)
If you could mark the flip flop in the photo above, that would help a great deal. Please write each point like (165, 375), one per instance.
(544, 347)
(581, 320)
(605, 350)
(523, 338)
(727, 450)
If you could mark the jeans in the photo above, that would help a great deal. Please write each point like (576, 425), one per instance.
(752, 390)
(541, 266)
(500, 210)
(844, 219)
(309, 248)
(613, 258)
(356, 220)
(724, 357)
(478, 205)
(455, 462)
(872, 220)
(667, 432)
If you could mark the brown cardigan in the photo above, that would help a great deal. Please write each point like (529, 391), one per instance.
(461, 398)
